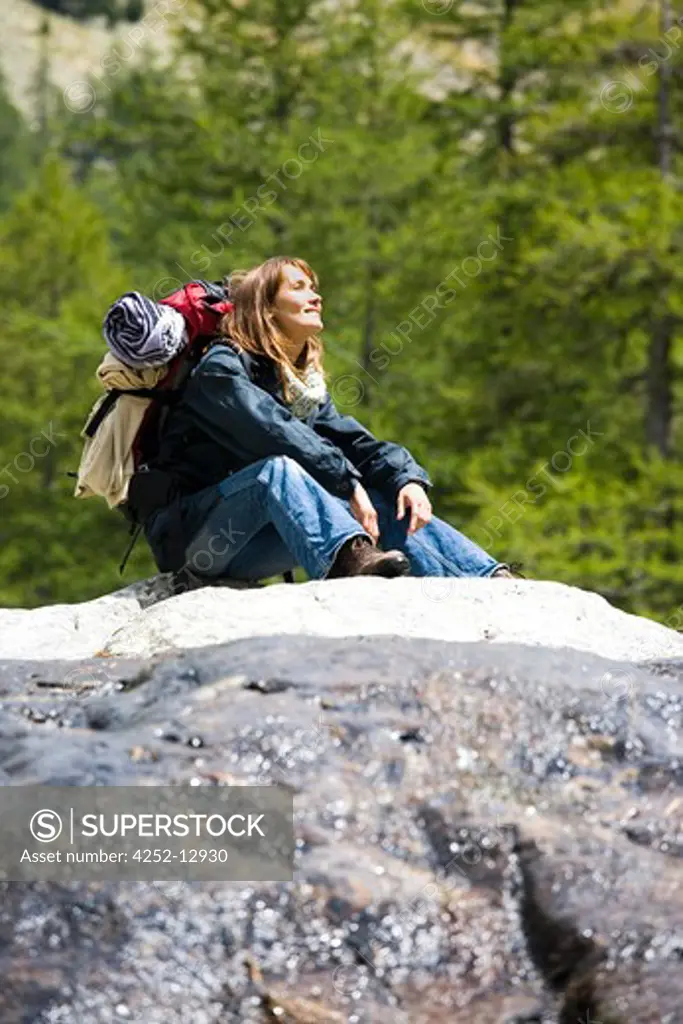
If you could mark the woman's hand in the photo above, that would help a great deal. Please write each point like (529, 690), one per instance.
(414, 497)
(364, 511)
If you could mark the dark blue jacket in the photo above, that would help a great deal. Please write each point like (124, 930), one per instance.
(232, 414)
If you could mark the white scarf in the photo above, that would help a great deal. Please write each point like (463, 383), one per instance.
(306, 394)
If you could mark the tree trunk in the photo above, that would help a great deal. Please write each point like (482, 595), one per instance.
(658, 418)
(373, 222)
(664, 125)
(369, 318)
(658, 383)
(506, 82)
(42, 86)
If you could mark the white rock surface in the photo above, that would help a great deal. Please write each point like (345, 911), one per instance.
(500, 611)
(64, 630)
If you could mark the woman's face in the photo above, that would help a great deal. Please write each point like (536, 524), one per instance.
(297, 307)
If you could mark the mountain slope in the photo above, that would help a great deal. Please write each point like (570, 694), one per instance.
(75, 49)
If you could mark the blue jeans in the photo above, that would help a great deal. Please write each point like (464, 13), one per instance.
(272, 516)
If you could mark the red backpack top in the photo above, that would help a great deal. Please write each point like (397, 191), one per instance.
(202, 304)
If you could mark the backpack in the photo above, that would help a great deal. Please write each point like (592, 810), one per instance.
(151, 356)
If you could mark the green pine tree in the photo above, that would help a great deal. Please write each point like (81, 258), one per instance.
(58, 278)
(15, 148)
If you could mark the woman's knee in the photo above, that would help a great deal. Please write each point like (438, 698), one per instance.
(276, 465)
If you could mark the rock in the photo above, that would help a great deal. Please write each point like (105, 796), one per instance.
(64, 630)
(81, 630)
(487, 834)
(138, 621)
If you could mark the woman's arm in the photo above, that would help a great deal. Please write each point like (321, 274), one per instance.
(383, 464)
(249, 422)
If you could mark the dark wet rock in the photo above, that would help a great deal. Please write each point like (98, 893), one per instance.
(485, 834)
(273, 685)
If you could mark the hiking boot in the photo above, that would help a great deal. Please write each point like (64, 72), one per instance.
(508, 573)
(358, 556)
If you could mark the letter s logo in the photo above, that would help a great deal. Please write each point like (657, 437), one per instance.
(45, 825)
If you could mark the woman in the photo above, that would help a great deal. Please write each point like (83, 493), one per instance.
(268, 475)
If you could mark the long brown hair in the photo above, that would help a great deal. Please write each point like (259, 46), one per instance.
(251, 326)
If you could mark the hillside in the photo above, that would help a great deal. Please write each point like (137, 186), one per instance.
(75, 49)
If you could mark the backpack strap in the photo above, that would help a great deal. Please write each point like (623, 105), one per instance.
(111, 397)
(135, 531)
(215, 292)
